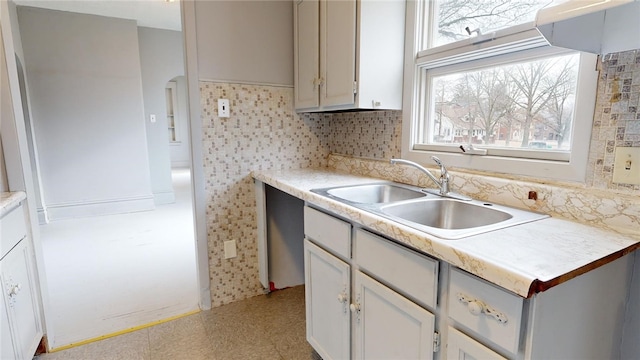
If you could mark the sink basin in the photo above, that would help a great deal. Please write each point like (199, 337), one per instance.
(454, 219)
(447, 214)
(443, 217)
(372, 193)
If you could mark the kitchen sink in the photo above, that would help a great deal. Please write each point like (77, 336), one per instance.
(447, 214)
(372, 193)
(443, 217)
(455, 219)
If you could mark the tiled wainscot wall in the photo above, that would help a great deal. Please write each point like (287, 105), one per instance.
(264, 132)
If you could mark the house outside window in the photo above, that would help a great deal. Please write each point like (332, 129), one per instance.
(483, 77)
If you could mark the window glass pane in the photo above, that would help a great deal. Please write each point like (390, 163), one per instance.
(523, 105)
(451, 17)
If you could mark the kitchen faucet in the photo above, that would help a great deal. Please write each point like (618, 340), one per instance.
(443, 183)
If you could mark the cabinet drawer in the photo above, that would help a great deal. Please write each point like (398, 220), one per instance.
(410, 273)
(327, 231)
(12, 230)
(469, 299)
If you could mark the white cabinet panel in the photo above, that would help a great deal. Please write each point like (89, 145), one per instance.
(492, 313)
(21, 299)
(307, 55)
(348, 54)
(462, 347)
(6, 337)
(327, 294)
(330, 233)
(338, 52)
(388, 326)
(12, 230)
(398, 267)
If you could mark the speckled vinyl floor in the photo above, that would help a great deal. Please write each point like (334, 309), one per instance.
(264, 327)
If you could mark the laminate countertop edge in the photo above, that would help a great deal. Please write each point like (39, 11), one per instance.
(10, 201)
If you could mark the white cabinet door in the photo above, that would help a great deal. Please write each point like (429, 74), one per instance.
(6, 338)
(462, 347)
(327, 294)
(307, 53)
(337, 52)
(21, 299)
(388, 326)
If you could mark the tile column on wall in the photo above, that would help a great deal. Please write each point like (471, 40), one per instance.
(617, 118)
(263, 132)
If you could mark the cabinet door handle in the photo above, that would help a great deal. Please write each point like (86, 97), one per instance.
(13, 292)
(477, 307)
(355, 309)
(15, 289)
(342, 298)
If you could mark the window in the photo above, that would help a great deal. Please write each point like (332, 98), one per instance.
(484, 78)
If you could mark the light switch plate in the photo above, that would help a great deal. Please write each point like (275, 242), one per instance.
(626, 166)
(223, 108)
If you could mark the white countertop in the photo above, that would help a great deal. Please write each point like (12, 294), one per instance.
(524, 259)
(10, 200)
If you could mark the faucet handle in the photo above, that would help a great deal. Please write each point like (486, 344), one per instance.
(443, 169)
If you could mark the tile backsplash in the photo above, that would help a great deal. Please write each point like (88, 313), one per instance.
(366, 134)
(617, 117)
(264, 132)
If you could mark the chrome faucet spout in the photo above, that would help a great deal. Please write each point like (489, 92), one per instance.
(421, 168)
(443, 182)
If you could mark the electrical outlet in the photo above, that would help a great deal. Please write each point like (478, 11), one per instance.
(626, 166)
(223, 108)
(230, 250)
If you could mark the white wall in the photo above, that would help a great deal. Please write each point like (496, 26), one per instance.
(87, 111)
(161, 58)
(245, 41)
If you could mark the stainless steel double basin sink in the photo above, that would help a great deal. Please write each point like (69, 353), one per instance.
(443, 217)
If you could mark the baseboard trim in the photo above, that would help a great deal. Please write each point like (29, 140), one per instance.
(168, 197)
(43, 217)
(180, 164)
(99, 208)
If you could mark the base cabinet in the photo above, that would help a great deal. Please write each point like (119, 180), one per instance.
(20, 312)
(361, 306)
(363, 318)
(388, 326)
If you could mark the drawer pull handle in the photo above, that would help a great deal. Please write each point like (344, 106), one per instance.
(477, 307)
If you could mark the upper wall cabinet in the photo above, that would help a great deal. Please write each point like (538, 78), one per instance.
(348, 54)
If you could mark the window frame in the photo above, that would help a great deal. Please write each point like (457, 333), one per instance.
(526, 43)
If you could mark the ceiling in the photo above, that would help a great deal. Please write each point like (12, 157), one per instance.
(149, 13)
